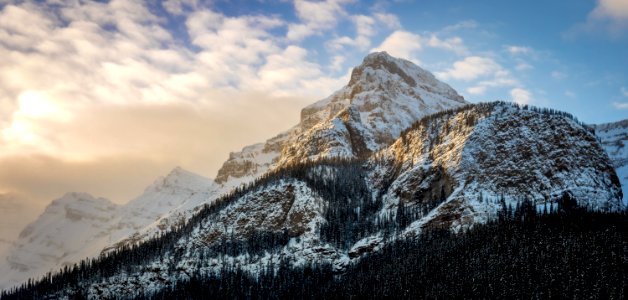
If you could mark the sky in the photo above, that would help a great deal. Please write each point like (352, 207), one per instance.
(105, 96)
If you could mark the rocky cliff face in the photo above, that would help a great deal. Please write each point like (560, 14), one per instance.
(384, 96)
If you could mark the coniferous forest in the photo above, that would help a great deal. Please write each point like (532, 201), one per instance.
(567, 254)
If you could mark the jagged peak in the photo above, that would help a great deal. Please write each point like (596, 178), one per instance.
(384, 62)
(381, 67)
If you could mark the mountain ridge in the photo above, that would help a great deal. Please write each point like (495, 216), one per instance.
(373, 118)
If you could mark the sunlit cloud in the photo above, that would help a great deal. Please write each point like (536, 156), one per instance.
(89, 80)
(470, 68)
(609, 17)
(521, 96)
(406, 44)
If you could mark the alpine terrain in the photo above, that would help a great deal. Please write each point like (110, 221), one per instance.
(614, 139)
(394, 160)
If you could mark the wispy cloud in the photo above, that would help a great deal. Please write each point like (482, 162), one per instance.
(518, 50)
(609, 17)
(316, 17)
(620, 105)
(407, 44)
(470, 68)
(523, 66)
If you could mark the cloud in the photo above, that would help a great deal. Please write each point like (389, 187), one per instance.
(477, 90)
(366, 28)
(609, 17)
(523, 66)
(389, 20)
(470, 68)
(570, 94)
(521, 96)
(406, 44)
(92, 82)
(180, 7)
(315, 17)
(401, 43)
(454, 44)
(517, 50)
(501, 78)
(467, 24)
(624, 91)
(612, 9)
(620, 105)
(149, 140)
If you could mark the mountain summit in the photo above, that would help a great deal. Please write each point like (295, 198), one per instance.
(392, 154)
(384, 96)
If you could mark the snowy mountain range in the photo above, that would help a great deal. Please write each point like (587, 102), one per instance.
(414, 151)
(78, 225)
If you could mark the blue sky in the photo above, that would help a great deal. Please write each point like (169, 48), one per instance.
(101, 96)
(566, 59)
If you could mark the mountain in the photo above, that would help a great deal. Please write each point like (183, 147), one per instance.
(393, 154)
(79, 225)
(614, 139)
(384, 96)
(450, 170)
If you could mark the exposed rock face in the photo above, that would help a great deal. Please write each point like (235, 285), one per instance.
(384, 96)
(252, 161)
(485, 156)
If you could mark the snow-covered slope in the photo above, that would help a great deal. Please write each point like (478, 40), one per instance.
(72, 225)
(79, 225)
(614, 138)
(449, 170)
(384, 96)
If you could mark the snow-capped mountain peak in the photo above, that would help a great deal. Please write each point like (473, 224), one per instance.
(379, 69)
(384, 96)
(79, 225)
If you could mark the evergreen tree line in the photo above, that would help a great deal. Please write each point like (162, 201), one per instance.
(568, 254)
